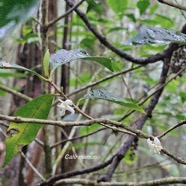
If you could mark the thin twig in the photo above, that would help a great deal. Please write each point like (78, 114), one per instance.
(172, 128)
(149, 96)
(106, 43)
(163, 86)
(39, 142)
(55, 178)
(179, 160)
(162, 181)
(4, 124)
(181, 7)
(103, 80)
(64, 149)
(139, 123)
(64, 15)
(3, 133)
(116, 129)
(182, 12)
(104, 122)
(32, 167)
(15, 93)
(77, 138)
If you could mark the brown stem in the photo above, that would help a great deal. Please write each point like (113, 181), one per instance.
(103, 80)
(47, 151)
(172, 128)
(103, 40)
(139, 124)
(64, 15)
(173, 4)
(157, 182)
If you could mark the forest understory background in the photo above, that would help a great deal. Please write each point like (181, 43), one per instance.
(92, 92)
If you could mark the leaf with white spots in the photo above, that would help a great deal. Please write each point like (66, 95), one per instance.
(156, 35)
(106, 95)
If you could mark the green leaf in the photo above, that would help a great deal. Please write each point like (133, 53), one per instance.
(26, 29)
(15, 12)
(89, 129)
(131, 17)
(105, 95)
(182, 96)
(130, 157)
(12, 74)
(93, 5)
(46, 63)
(118, 6)
(82, 79)
(64, 56)
(143, 5)
(114, 29)
(2, 92)
(153, 8)
(24, 133)
(28, 38)
(6, 65)
(88, 42)
(152, 35)
(164, 21)
(149, 22)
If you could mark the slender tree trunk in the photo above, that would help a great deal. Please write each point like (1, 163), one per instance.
(66, 165)
(29, 56)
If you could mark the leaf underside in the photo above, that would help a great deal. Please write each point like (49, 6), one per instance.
(156, 35)
(64, 56)
(106, 95)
